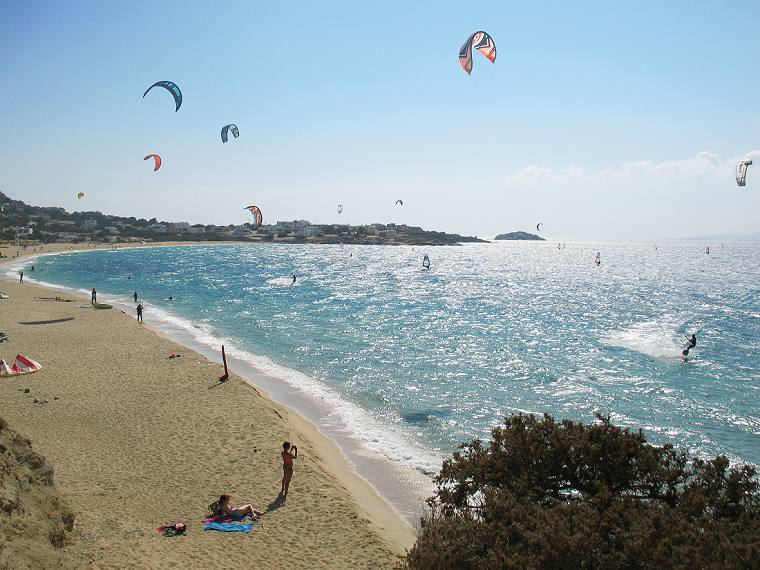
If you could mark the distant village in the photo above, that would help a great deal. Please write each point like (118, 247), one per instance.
(20, 222)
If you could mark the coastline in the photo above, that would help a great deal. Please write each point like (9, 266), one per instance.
(379, 518)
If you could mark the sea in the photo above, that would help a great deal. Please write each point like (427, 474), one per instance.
(400, 364)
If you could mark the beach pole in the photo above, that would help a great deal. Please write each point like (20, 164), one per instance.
(226, 373)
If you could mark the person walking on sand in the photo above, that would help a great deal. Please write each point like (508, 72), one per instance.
(135, 296)
(287, 465)
(21, 278)
(94, 296)
(139, 313)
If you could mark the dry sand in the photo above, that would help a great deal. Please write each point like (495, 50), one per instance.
(138, 440)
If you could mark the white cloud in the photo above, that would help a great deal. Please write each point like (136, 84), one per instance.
(704, 163)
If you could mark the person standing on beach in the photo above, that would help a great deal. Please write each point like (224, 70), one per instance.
(94, 296)
(135, 296)
(287, 465)
(139, 313)
(21, 278)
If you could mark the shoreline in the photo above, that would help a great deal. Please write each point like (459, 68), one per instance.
(372, 507)
(403, 486)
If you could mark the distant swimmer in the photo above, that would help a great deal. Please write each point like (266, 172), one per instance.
(170, 298)
(294, 279)
(692, 344)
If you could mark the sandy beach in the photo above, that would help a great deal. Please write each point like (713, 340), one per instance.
(138, 440)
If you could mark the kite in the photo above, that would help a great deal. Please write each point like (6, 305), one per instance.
(340, 208)
(172, 88)
(538, 229)
(232, 128)
(482, 42)
(401, 202)
(80, 195)
(2, 207)
(157, 160)
(257, 217)
(426, 262)
(741, 172)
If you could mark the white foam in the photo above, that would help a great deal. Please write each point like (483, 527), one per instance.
(282, 282)
(658, 339)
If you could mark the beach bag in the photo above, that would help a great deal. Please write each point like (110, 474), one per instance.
(215, 508)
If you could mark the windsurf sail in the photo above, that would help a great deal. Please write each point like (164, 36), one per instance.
(22, 365)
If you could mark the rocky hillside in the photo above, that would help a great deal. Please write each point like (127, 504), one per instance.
(34, 520)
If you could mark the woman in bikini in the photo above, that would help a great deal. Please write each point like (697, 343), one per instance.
(287, 465)
(227, 510)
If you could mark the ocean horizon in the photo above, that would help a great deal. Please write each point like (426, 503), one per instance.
(400, 364)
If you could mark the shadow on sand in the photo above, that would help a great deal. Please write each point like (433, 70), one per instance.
(276, 504)
(50, 322)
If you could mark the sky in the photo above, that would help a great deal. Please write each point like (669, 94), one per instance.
(602, 120)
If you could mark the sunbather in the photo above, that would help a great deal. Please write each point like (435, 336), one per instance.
(227, 510)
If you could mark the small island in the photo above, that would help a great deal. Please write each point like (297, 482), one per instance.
(519, 236)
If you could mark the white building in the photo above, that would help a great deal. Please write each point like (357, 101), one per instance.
(309, 231)
(157, 228)
(24, 231)
(180, 228)
(89, 224)
(274, 230)
(241, 231)
(196, 230)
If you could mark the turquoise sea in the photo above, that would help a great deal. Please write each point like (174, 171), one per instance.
(400, 364)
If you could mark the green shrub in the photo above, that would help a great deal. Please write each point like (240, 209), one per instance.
(543, 494)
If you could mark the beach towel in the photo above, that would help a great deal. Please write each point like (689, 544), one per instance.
(228, 525)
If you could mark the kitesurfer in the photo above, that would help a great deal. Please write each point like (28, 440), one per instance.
(692, 344)
(294, 279)
(94, 296)
(135, 296)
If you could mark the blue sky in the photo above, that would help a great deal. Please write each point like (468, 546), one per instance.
(601, 119)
